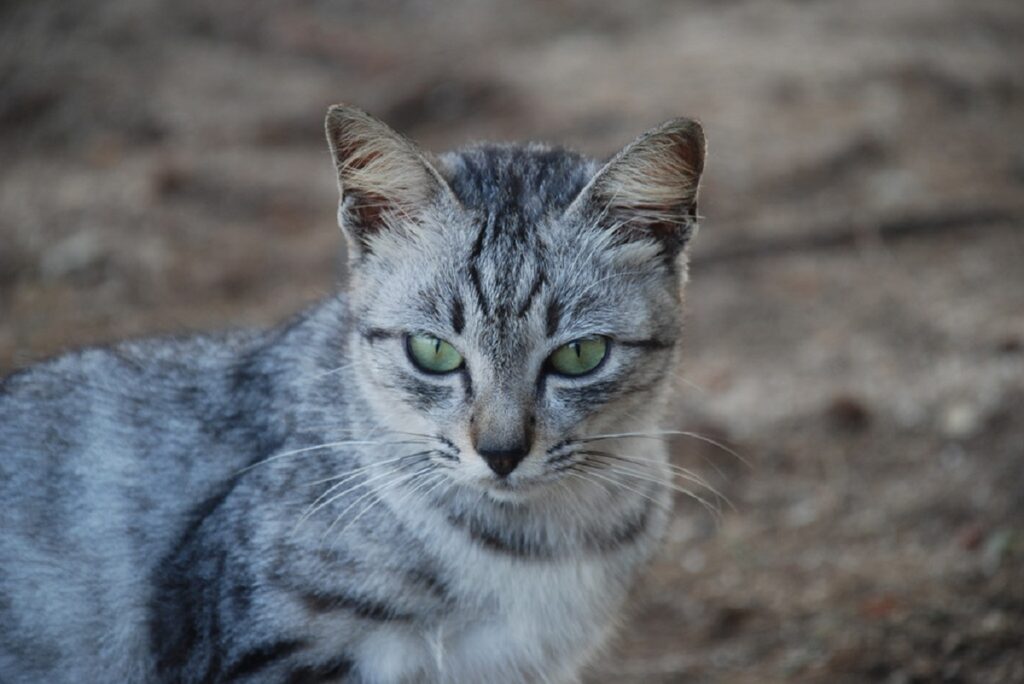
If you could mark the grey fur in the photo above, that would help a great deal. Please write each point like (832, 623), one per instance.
(304, 505)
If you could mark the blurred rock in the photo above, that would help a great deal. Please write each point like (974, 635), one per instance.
(81, 257)
(848, 413)
(960, 420)
(1010, 344)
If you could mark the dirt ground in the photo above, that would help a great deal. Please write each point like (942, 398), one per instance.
(856, 312)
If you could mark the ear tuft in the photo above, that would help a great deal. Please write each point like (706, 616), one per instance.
(382, 176)
(649, 189)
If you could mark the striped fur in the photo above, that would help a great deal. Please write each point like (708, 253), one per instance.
(304, 505)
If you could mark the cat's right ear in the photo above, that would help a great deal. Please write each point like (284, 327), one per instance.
(384, 179)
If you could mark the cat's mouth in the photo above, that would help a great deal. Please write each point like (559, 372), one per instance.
(502, 485)
(507, 492)
(511, 490)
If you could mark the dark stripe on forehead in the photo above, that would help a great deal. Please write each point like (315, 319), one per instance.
(474, 258)
(458, 318)
(534, 289)
(511, 215)
(538, 180)
(478, 244)
(511, 190)
(481, 298)
(427, 301)
(554, 316)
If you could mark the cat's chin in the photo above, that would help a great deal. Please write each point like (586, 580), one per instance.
(512, 492)
(506, 496)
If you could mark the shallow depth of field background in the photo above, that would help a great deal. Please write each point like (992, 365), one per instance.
(856, 312)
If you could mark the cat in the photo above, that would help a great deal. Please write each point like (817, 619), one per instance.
(432, 477)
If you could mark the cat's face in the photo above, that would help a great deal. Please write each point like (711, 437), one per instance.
(512, 309)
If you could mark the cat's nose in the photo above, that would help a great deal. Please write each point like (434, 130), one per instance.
(503, 461)
(502, 433)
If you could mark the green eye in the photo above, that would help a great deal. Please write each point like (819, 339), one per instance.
(579, 357)
(433, 355)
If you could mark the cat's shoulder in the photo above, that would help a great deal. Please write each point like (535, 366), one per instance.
(148, 366)
(131, 356)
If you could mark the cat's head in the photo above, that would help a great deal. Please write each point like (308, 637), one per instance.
(512, 299)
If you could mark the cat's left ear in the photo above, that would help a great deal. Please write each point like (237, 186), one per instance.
(385, 181)
(649, 189)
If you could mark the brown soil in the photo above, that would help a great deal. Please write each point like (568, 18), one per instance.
(856, 313)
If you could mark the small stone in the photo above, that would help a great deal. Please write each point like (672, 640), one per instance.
(996, 548)
(76, 255)
(960, 420)
(970, 536)
(994, 622)
(848, 413)
(1010, 345)
(879, 607)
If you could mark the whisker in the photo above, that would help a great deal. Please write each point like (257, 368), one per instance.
(374, 492)
(373, 431)
(676, 470)
(418, 490)
(436, 438)
(370, 492)
(576, 510)
(705, 458)
(585, 291)
(368, 466)
(690, 383)
(715, 510)
(661, 434)
(335, 427)
(378, 500)
(441, 480)
(580, 474)
(619, 483)
(339, 369)
(326, 445)
(327, 497)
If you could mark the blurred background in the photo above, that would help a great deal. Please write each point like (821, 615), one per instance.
(855, 316)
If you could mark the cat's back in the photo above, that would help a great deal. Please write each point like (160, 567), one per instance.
(98, 464)
(98, 411)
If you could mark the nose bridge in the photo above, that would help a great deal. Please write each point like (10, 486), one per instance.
(501, 428)
(502, 420)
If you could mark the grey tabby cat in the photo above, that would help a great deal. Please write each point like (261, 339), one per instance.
(432, 478)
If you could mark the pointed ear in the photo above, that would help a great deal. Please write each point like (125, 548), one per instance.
(649, 189)
(383, 178)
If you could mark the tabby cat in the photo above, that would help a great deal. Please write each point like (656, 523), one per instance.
(434, 477)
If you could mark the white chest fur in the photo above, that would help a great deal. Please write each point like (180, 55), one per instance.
(515, 619)
(519, 621)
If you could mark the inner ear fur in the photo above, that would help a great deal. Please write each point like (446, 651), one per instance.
(649, 189)
(382, 175)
